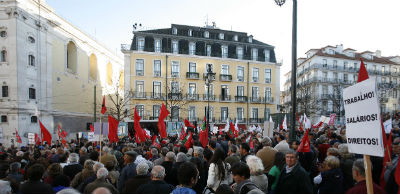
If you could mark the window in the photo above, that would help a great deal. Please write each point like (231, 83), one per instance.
(267, 54)
(72, 58)
(356, 66)
(190, 32)
(235, 38)
(156, 89)
(335, 64)
(224, 51)
(31, 39)
(255, 93)
(3, 56)
(335, 76)
(192, 113)
(4, 118)
(174, 112)
(192, 48)
(139, 67)
(157, 68)
(324, 90)
(255, 74)
(211, 112)
(374, 68)
(32, 93)
(175, 48)
(31, 60)
(192, 89)
(345, 77)
(33, 119)
(325, 75)
(221, 36)
(254, 113)
(4, 91)
(394, 80)
(192, 67)
(267, 112)
(383, 69)
(3, 33)
(324, 63)
(240, 91)
(240, 73)
(224, 113)
(174, 31)
(157, 45)
(268, 94)
(267, 75)
(139, 88)
(394, 70)
(140, 110)
(140, 44)
(250, 39)
(239, 114)
(239, 52)
(331, 51)
(156, 111)
(254, 54)
(175, 87)
(175, 69)
(224, 92)
(225, 70)
(206, 34)
(93, 67)
(394, 93)
(208, 50)
(211, 90)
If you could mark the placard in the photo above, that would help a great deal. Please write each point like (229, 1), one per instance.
(31, 138)
(92, 137)
(363, 120)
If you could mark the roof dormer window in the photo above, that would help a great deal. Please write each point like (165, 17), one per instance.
(331, 52)
(250, 39)
(221, 36)
(174, 31)
(206, 34)
(190, 32)
(235, 38)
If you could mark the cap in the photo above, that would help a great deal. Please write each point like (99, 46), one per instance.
(132, 154)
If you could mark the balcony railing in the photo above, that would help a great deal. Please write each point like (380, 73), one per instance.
(157, 95)
(139, 94)
(175, 74)
(205, 97)
(225, 77)
(192, 75)
(269, 100)
(225, 98)
(175, 96)
(256, 99)
(192, 97)
(241, 98)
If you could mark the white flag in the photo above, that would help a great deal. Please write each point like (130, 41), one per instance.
(388, 126)
(284, 125)
(270, 119)
(226, 129)
(307, 122)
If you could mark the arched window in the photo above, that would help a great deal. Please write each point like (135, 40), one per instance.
(71, 57)
(3, 56)
(109, 74)
(93, 67)
(31, 60)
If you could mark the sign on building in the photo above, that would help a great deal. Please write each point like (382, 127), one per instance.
(363, 120)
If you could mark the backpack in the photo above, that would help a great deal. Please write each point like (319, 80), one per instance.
(250, 188)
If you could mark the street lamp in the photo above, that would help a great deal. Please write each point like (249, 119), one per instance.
(208, 80)
(294, 64)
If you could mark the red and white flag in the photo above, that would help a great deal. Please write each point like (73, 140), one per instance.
(284, 125)
(332, 119)
(18, 137)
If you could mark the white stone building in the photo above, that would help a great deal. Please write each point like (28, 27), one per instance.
(323, 74)
(48, 71)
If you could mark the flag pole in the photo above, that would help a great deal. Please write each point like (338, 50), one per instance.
(368, 174)
(100, 136)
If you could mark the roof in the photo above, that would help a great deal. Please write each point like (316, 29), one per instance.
(350, 49)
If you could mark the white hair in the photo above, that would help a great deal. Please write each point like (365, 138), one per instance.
(83, 149)
(102, 173)
(158, 172)
(154, 152)
(255, 164)
(106, 149)
(170, 156)
(5, 187)
(68, 191)
(142, 168)
(73, 157)
(181, 157)
(97, 166)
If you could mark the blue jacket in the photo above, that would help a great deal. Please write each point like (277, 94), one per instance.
(183, 190)
(129, 171)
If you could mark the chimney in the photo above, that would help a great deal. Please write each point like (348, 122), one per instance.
(378, 53)
(339, 48)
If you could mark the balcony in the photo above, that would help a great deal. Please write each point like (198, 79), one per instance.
(192, 75)
(175, 96)
(139, 95)
(241, 98)
(256, 99)
(268, 100)
(211, 74)
(192, 97)
(225, 77)
(205, 97)
(157, 96)
(224, 98)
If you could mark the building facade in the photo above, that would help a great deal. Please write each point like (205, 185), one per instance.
(48, 71)
(323, 74)
(170, 65)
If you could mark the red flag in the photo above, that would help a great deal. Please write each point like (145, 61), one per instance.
(386, 157)
(161, 125)
(103, 106)
(18, 137)
(188, 124)
(362, 74)
(112, 129)
(156, 143)
(141, 137)
(37, 139)
(318, 125)
(45, 134)
(232, 131)
(305, 143)
(91, 128)
(183, 134)
(188, 142)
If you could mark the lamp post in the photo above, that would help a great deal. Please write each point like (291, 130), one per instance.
(209, 79)
(294, 64)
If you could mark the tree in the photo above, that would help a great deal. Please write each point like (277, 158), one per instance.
(120, 100)
(336, 98)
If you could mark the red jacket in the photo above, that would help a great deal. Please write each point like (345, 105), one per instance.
(361, 188)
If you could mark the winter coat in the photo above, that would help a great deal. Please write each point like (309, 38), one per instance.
(183, 190)
(155, 187)
(294, 181)
(261, 181)
(34, 187)
(134, 183)
(267, 156)
(71, 170)
(332, 181)
(213, 181)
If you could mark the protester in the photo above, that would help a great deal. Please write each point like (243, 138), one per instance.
(84, 174)
(359, 177)
(167, 164)
(330, 180)
(241, 175)
(275, 172)
(218, 171)
(141, 177)
(129, 171)
(157, 185)
(257, 175)
(34, 184)
(244, 151)
(101, 174)
(267, 154)
(73, 166)
(187, 175)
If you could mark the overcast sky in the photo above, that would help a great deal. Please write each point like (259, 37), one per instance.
(358, 24)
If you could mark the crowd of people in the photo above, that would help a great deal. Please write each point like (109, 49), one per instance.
(225, 166)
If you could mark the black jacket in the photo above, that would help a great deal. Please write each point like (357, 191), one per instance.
(134, 183)
(155, 187)
(168, 174)
(35, 187)
(295, 181)
(71, 170)
(332, 182)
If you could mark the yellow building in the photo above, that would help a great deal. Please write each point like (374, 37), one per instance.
(170, 65)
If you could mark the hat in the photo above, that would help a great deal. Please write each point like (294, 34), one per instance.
(132, 154)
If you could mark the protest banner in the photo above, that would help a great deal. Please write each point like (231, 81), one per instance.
(363, 120)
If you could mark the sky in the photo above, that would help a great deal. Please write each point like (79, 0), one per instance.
(359, 24)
